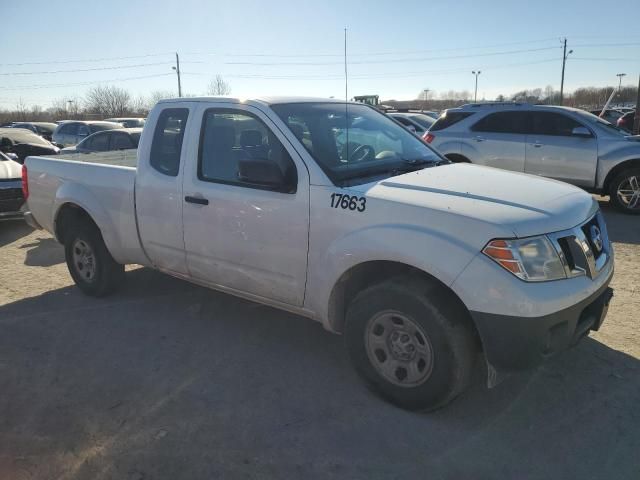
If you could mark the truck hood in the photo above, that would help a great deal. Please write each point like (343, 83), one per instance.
(10, 170)
(525, 204)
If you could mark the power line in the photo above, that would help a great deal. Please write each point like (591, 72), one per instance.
(54, 85)
(119, 67)
(508, 52)
(88, 60)
(378, 75)
(367, 54)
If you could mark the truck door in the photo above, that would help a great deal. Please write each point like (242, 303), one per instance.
(159, 189)
(497, 140)
(562, 148)
(240, 231)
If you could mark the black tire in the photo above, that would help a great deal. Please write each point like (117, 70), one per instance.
(107, 273)
(446, 324)
(613, 191)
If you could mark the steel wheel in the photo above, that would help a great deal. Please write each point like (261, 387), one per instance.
(399, 349)
(84, 260)
(628, 192)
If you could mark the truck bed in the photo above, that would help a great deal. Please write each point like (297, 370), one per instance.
(120, 158)
(103, 184)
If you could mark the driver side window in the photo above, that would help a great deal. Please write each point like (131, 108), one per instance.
(231, 136)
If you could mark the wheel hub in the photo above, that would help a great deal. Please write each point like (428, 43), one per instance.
(84, 260)
(401, 345)
(399, 349)
(629, 192)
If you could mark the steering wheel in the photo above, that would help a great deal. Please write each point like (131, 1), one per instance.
(362, 152)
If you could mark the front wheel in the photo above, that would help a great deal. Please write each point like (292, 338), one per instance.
(624, 191)
(411, 342)
(90, 264)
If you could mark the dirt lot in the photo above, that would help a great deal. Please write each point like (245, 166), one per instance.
(166, 380)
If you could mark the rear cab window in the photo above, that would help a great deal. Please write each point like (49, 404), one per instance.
(166, 145)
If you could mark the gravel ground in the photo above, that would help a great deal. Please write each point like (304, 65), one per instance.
(166, 380)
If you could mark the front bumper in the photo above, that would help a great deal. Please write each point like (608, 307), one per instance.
(517, 343)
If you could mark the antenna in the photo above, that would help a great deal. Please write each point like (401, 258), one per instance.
(346, 93)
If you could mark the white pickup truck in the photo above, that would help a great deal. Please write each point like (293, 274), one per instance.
(334, 211)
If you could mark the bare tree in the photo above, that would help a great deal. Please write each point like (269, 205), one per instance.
(21, 110)
(218, 86)
(108, 101)
(158, 95)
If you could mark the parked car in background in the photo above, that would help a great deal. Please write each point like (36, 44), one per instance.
(430, 113)
(416, 122)
(107, 140)
(23, 143)
(128, 122)
(73, 132)
(611, 115)
(563, 143)
(44, 129)
(11, 197)
(625, 122)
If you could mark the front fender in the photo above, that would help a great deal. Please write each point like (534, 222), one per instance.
(432, 251)
(611, 159)
(77, 194)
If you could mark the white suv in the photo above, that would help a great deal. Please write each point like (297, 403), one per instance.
(557, 142)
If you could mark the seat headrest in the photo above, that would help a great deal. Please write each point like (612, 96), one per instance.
(250, 138)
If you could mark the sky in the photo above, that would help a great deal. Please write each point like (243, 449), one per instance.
(58, 50)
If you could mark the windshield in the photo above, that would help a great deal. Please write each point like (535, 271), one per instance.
(593, 119)
(353, 143)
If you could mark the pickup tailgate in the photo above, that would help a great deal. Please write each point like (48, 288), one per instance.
(102, 184)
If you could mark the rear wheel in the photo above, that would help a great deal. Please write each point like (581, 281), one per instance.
(90, 264)
(411, 342)
(624, 191)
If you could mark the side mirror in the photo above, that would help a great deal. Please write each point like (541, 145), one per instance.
(581, 132)
(262, 173)
(12, 156)
(411, 128)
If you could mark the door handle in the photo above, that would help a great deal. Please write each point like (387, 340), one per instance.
(478, 138)
(196, 200)
(537, 145)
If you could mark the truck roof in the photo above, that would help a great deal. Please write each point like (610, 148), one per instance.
(267, 100)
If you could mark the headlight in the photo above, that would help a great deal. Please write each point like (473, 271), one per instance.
(532, 259)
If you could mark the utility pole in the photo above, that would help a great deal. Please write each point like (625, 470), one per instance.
(636, 118)
(564, 61)
(177, 69)
(475, 94)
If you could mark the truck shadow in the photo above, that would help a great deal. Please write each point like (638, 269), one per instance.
(43, 252)
(248, 388)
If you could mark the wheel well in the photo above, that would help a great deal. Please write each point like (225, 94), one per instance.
(69, 215)
(457, 158)
(613, 173)
(367, 274)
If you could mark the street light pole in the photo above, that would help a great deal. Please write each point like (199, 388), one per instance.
(565, 55)
(426, 97)
(475, 94)
(619, 75)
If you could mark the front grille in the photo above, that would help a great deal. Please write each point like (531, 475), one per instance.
(585, 249)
